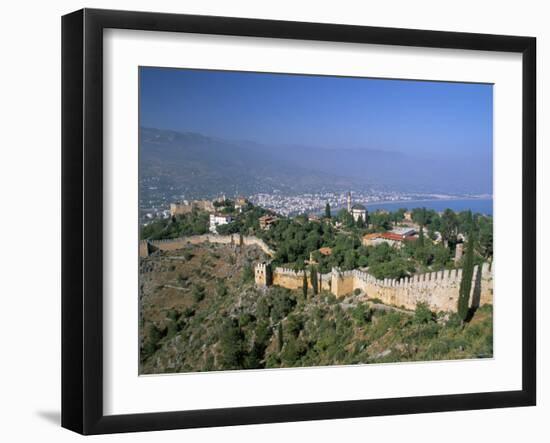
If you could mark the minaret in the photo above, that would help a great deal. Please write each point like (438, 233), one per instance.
(349, 202)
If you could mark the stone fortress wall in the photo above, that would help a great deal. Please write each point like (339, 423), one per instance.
(146, 247)
(288, 278)
(439, 290)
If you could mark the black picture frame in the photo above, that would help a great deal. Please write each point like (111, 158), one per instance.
(82, 221)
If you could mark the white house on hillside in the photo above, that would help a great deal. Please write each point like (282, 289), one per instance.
(218, 219)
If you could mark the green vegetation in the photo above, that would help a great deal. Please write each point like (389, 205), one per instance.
(248, 273)
(467, 274)
(231, 346)
(422, 314)
(198, 293)
(296, 239)
(193, 223)
(150, 345)
(314, 278)
(225, 323)
(280, 337)
(202, 311)
(327, 211)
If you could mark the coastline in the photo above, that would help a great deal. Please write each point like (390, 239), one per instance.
(439, 204)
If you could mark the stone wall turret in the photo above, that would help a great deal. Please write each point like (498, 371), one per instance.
(260, 275)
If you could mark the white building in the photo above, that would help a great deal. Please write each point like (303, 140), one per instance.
(359, 211)
(218, 219)
(356, 211)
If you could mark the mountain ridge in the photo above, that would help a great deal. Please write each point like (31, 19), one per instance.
(205, 165)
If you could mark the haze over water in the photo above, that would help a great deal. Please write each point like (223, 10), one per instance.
(482, 206)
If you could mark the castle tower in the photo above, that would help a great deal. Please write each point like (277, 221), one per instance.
(349, 202)
(260, 275)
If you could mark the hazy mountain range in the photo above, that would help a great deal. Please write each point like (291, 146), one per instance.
(198, 165)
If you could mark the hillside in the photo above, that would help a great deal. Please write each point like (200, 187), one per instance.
(200, 311)
(197, 165)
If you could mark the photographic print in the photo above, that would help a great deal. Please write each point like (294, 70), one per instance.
(293, 220)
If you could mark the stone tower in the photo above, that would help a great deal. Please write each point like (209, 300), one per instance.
(349, 202)
(260, 275)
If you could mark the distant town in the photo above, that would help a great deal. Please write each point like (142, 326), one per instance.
(286, 205)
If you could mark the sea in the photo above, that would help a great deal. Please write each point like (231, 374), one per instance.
(482, 206)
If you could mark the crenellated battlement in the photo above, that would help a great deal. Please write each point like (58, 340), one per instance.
(439, 289)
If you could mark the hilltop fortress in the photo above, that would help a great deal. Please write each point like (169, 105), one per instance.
(147, 247)
(439, 290)
(186, 207)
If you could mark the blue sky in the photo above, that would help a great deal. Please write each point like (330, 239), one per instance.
(435, 118)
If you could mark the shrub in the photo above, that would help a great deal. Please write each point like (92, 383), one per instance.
(209, 362)
(150, 345)
(246, 319)
(247, 274)
(293, 350)
(283, 302)
(221, 289)
(198, 293)
(362, 314)
(294, 324)
(231, 345)
(331, 299)
(386, 321)
(173, 314)
(188, 312)
(427, 332)
(272, 361)
(253, 359)
(422, 314)
(263, 308)
(171, 329)
(263, 333)
(454, 321)
(437, 349)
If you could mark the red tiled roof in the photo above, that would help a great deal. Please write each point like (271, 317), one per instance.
(371, 236)
(392, 236)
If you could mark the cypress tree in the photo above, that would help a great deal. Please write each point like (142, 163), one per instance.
(422, 222)
(304, 285)
(421, 252)
(280, 336)
(467, 272)
(327, 210)
(314, 280)
(268, 275)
